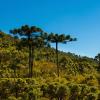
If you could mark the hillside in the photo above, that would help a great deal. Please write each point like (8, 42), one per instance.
(78, 76)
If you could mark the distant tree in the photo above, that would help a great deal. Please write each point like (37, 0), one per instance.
(62, 38)
(1, 34)
(28, 33)
(97, 58)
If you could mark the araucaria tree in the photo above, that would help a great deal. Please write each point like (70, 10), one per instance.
(97, 58)
(59, 38)
(28, 33)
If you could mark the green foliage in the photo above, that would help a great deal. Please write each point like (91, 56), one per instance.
(79, 78)
(12, 98)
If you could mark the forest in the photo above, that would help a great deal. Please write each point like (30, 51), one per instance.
(31, 69)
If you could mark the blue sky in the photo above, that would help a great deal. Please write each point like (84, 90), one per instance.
(80, 18)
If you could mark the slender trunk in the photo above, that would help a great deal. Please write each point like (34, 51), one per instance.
(29, 61)
(57, 58)
(99, 64)
(47, 55)
(30, 54)
(32, 60)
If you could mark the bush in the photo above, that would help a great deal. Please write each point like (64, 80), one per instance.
(12, 98)
(92, 96)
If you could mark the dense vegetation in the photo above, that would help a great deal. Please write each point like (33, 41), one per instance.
(31, 70)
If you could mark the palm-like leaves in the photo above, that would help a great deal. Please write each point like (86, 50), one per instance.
(62, 38)
(26, 30)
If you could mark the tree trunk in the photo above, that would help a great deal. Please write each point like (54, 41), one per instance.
(57, 58)
(30, 55)
(99, 64)
(32, 60)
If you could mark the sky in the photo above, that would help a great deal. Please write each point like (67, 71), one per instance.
(79, 18)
